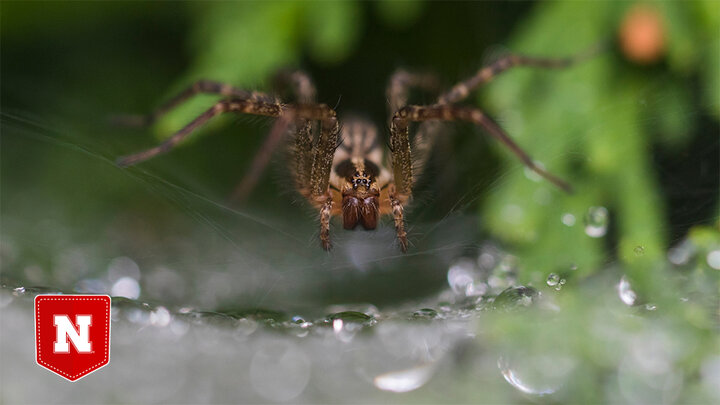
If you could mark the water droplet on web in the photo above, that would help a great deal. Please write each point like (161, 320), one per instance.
(347, 324)
(596, 222)
(463, 279)
(650, 307)
(713, 259)
(126, 287)
(639, 250)
(568, 219)
(681, 253)
(536, 374)
(160, 317)
(515, 297)
(405, 380)
(625, 292)
(425, 313)
(553, 280)
(18, 291)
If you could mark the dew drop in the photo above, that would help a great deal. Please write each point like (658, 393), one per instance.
(553, 280)
(160, 317)
(516, 297)
(713, 259)
(596, 222)
(568, 219)
(625, 292)
(462, 279)
(639, 250)
(425, 313)
(18, 291)
(681, 253)
(126, 287)
(405, 380)
(536, 374)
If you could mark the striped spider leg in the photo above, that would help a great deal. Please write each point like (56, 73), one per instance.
(406, 171)
(313, 153)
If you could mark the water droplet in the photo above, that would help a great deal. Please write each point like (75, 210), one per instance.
(713, 259)
(596, 222)
(639, 250)
(126, 287)
(573, 267)
(568, 219)
(515, 297)
(536, 375)
(625, 292)
(337, 325)
(553, 280)
(681, 253)
(18, 291)
(297, 319)
(244, 327)
(160, 317)
(425, 313)
(650, 307)
(347, 324)
(462, 277)
(405, 380)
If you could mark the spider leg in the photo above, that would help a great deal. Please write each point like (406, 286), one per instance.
(320, 163)
(398, 217)
(446, 112)
(461, 90)
(236, 105)
(402, 81)
(200, 86)
(304, 92)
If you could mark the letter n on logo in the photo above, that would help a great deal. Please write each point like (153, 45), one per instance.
(72, 333)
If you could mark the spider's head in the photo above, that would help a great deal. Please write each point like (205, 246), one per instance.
(360, 201)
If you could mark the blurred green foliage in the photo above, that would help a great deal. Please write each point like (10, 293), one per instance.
(590, 124)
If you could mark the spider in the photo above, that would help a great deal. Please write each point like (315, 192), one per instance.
(342, 170)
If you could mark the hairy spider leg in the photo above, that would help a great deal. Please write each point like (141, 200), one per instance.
(299, 85)
(487, 73)
(321, 158)
(448, 112)
(200, 86)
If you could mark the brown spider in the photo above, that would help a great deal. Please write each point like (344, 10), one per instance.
(347, 174)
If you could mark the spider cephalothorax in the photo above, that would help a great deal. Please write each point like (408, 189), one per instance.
(349, 174)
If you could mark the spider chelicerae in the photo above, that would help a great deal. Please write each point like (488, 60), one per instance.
(343, 170)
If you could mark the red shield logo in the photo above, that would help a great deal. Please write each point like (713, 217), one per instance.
(72, 333)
